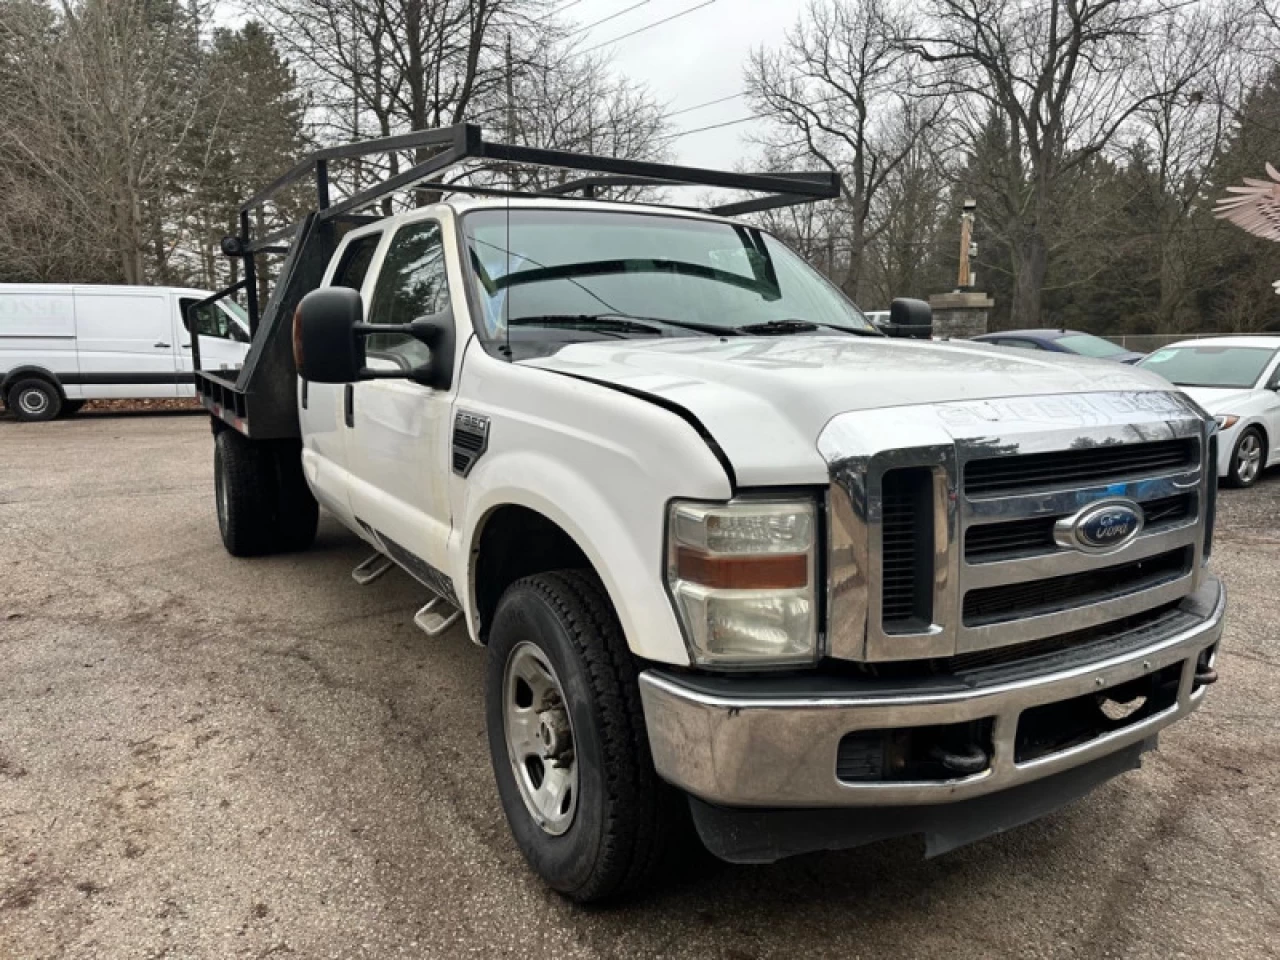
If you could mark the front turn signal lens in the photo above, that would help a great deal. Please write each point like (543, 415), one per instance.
(741, 576)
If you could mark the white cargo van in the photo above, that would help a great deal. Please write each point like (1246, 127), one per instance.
(62, 344)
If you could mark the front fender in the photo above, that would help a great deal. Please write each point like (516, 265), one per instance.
(603, 466)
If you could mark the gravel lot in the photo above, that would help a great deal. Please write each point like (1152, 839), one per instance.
(209, 757)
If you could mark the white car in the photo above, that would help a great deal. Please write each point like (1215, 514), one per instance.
(63, 344)
(1237, 379)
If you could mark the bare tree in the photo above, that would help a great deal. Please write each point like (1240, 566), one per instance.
(101, 115)
(1199, 78)
(1061, 74)
(840, 90)
(379, 67)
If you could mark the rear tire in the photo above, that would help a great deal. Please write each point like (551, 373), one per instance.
(622, 814)
(244, 489)
(34, 400)
(263, 502)
(1248, 459)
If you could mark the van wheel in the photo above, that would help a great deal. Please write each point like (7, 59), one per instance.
(34, 399)
(567, 739)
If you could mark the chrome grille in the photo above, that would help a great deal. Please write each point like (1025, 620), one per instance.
(906, 550)
(989, 542)
(1005, 472)
(1035, 598)
(1038, 471)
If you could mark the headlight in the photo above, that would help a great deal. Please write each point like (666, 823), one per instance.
(1227, 420)
(742, 578)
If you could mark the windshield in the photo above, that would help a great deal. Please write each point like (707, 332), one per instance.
(535, 267)
(1087, 345)
(1210, 366)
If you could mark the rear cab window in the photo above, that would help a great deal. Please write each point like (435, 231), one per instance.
(354, 265)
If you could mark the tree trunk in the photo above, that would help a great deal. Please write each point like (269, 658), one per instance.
(1031, 262)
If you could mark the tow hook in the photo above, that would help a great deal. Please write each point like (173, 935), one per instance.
(1205, 673)
(969, 759)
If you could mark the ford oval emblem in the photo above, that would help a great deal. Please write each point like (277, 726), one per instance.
(1101, 527)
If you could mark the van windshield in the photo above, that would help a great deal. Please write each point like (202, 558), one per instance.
(644, 274)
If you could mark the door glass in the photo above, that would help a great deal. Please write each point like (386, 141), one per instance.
(355, 262)
(411, 285)
(210, 321)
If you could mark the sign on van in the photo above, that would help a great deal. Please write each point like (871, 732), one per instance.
(37, 315)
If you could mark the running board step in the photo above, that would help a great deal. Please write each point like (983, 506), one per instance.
(371, 569)
(434, 622)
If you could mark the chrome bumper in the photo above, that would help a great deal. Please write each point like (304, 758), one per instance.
(759, 750)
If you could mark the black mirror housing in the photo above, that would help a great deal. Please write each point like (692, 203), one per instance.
(910, 318)
(437, 332)
(326, 346)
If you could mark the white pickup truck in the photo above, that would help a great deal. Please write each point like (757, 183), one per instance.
(735, 556)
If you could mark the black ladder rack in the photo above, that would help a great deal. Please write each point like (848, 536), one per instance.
(261, 400)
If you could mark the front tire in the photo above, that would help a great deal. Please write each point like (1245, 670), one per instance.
(1248, 459)
(562, 707)
(34, 400)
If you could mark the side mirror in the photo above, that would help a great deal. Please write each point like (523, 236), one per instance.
(326, 348)
(910, 319)
(328, 341)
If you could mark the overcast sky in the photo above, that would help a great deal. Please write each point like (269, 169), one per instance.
(691, 60)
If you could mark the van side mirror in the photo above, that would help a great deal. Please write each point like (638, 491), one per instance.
(910, 319)
(328, 341)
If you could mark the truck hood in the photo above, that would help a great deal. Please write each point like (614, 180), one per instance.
(764, 400)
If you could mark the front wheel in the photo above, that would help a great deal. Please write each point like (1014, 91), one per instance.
(34, 400)
(1248, 459)
(568, 742)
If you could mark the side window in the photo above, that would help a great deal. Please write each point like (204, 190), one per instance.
(210, 321)
(234, 330)
(411, 284)
(355, 262)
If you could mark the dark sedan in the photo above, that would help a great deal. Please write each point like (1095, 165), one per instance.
(1062, 341)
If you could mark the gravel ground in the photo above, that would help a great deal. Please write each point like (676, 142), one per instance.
(209, 757)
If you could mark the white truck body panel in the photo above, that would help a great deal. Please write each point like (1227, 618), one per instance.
(765, 400)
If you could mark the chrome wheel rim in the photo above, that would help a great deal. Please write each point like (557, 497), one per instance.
(539, 736)
(33, 402)
(1249, 458)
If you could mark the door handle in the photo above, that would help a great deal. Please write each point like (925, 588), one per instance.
(348, 405)
(186, 346)
(161, 345)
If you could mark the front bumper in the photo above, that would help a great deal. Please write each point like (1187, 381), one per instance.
(743, 742)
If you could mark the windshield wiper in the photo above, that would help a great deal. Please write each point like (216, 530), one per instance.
(621, 322)
(791, 325)
(586, 321)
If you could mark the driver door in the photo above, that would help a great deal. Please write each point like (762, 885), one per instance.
(398, 435)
